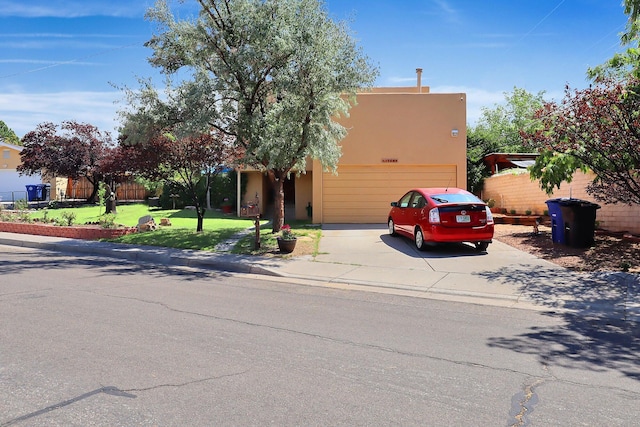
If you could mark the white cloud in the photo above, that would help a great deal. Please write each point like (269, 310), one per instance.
(22, 112)
(447, 11)
(70, 8)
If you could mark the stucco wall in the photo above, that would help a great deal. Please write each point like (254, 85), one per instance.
(13, 152)
(518, 192)
(407, 129)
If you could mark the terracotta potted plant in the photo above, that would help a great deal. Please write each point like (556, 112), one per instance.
(287, 240)
(226, 206)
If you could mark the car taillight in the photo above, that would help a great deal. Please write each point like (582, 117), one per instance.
(434, 216)
(489, 215)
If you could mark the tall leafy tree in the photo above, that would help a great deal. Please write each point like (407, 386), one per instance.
(72, 149)
(8, 135)
(627, 63)
(498, 131)
(274, 74)
(597, 128)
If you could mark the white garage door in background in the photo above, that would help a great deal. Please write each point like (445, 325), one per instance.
(12, 182)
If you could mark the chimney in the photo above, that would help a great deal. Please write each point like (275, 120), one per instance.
(419, 73)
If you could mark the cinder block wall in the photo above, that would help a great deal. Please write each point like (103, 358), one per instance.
(518, 192)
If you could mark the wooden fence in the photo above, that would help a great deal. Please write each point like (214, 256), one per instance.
(82, 188)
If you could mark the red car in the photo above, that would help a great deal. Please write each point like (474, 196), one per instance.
(440, 215)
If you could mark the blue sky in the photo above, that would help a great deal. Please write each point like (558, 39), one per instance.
(59, 59)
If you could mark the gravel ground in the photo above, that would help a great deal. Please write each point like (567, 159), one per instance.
(609, 253)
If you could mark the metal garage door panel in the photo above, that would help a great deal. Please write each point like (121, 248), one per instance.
(361, 194)
(13, 185)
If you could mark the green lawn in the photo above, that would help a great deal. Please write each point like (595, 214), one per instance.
(217, 227)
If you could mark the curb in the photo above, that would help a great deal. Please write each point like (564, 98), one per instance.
(165, 256)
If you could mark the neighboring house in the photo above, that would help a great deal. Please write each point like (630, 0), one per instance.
(497, 162)
(12, 184)
(398, 139)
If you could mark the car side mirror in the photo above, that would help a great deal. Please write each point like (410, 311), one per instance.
(394, 204)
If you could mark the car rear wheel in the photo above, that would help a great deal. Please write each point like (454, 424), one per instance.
(418, 239)
(482, 246)
(392, 228)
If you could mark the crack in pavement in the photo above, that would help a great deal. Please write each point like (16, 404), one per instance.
(522, 404)
(188, 383)
(321, 337)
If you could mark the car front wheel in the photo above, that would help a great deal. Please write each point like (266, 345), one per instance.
(392, 228)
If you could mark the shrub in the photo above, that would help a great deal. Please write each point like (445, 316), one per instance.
(527, 212)
(108, 221)
(21, 205)
(68, 217)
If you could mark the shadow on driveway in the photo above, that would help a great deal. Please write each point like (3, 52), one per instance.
(443, 250)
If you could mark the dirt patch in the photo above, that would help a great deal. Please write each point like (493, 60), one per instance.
(609, 253)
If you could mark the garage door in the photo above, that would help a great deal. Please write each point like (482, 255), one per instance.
(13, 185)
(362, 194)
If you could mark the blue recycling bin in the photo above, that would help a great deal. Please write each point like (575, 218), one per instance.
(32, 192)
(557, 223)
(37, 192)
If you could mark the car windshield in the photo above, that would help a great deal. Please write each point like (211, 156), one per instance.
(454, 198)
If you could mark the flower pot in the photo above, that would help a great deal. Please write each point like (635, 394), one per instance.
(286, 246)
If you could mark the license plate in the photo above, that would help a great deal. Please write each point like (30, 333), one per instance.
(463, 218)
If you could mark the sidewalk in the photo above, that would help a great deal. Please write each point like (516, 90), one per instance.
(365, 257)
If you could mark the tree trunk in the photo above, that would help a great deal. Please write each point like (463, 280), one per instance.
(208, 193)
(94, 192)
(277, 184)
(200, 212)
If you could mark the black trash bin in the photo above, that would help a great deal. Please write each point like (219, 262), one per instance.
(557, 222)
(41, 192)
(579, 217)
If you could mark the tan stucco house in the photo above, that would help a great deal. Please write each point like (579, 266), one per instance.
(398, 138)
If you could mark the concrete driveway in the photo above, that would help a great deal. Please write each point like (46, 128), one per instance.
(366, 255)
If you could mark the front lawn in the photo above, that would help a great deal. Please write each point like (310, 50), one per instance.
(217, 227)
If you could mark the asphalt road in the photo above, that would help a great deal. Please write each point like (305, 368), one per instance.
(86, 342)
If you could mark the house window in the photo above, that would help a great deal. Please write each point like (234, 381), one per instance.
(6, 154)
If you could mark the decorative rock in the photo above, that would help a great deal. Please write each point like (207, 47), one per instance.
(146, 223)
(165, 222)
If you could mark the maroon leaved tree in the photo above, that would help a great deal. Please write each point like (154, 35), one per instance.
(72, 150)
(597, 128)
(181, 161)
